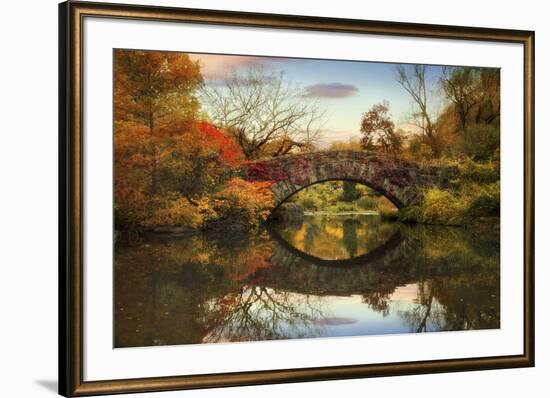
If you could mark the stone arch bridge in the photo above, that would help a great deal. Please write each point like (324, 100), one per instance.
(397, 179)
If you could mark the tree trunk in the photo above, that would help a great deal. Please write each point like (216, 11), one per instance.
(154, 161)
(154, 173)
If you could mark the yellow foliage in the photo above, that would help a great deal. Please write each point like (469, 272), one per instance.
(386, 208)
(176, 212)
(242, 202)
(459, 207)
(350, 145)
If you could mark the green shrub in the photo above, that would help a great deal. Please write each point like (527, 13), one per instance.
(447, 207)
(343, 207)
(367, 202)
(480, 172)
(309, 203)
(350, 192)
(481, 140)
(437, 207)
(485, 202)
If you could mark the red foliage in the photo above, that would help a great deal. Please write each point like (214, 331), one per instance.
(300, 169)
(377, 129)
(230, 151)
(376, 119)
(265, 172)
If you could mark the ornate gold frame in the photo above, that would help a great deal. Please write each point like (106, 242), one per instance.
(71, 16)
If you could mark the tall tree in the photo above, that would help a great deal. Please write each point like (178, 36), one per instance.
(267, 115)
(350, 191)
(471, 121)
(155, 90)
(378, 130)
(489, 85)
(413, 79)
(461, 87)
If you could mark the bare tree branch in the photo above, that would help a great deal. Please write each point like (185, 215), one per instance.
(413, 79)
(267, 115)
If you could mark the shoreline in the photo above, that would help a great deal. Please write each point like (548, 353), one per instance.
(485, 222)
(343, 213)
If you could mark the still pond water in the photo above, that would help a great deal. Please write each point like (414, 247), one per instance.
(326, 276)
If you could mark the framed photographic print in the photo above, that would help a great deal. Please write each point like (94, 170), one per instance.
(251, 198)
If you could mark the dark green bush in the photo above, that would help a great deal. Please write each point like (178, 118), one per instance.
(480, 141)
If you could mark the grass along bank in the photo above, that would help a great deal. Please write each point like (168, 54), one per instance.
(473, 196)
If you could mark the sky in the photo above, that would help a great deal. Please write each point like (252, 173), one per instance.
(343, 89)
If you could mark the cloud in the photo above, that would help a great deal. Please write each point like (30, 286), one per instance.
(334, 321)
(216, 67)
(331, 90)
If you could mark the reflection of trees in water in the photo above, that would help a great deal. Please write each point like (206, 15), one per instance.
(379, 301)
(467, 295)
(195, 289)
(339, 237)
(312, 230)
(350, 236)
(455, 304)
(456, 272)
(260, 313)
(426, 315)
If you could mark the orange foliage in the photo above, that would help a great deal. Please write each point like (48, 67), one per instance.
(247, 262)
(245, 204)
(148, 84)
(169, 164)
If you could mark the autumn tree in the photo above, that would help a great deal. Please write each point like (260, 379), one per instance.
(473, 114)
(488, 110)
(378, 130)
(267, 115)
(193, 162)
(154, 96)
(460, 85)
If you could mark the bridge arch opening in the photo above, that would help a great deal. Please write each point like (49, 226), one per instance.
(335, 222)
(329, 194)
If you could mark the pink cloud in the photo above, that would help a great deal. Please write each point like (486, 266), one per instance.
(215, 67)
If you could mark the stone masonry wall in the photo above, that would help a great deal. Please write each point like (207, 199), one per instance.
(393, 177)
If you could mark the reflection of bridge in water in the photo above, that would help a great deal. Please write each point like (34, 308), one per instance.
(362, 260)
(276, 293)
(383, 268)
(392, 264)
